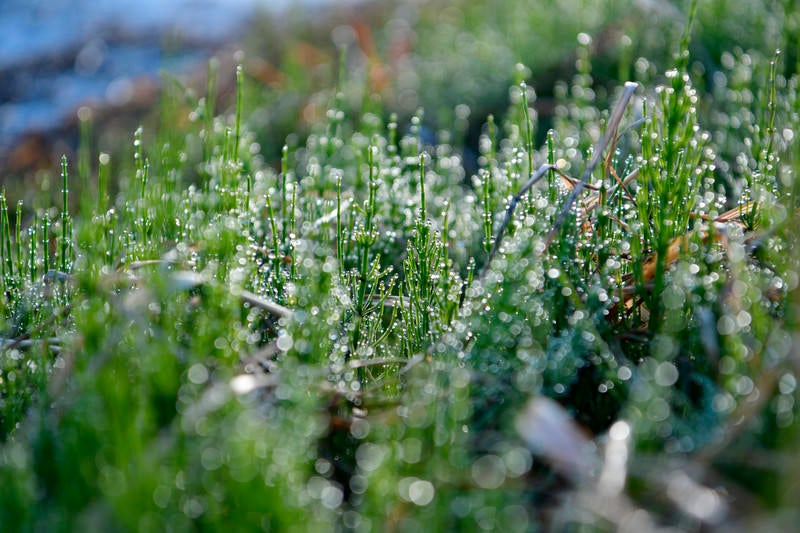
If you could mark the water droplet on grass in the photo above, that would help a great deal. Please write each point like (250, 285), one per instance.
(421, 492)
(666, 374)
(332, 496)
(198, 374)
(489, 472)
(787, 384)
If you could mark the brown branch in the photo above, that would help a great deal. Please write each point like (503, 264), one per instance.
(512, 205)
(597, 155)
(266, 305)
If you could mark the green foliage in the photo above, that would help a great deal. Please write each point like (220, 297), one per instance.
(203, 341)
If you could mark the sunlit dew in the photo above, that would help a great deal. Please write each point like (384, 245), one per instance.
(658, 410)
(359, 484)
(369, 456)
(624, 373)
(723, 402)
(787, 383)
(421, 492)
(332, 496)
(744, 385)
(726, 325)
(198, 374)
(359, 428)
(489, 472)
(518, 461)
(666, 374)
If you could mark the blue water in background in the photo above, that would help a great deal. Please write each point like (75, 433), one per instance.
(56, 55)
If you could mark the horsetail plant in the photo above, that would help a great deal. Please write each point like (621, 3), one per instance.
(65, 226)
(18, 241)
(5, 243)
(365, 236)
(238, 123)
(219, 353)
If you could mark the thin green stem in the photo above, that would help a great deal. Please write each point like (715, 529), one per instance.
(239, 96)
(18, 241)
(64, 213)
(528, 127)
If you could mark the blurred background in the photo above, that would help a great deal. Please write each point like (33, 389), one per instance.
(61, 56)
(110, 59)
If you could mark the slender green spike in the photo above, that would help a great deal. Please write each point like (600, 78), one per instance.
(103, 170)
(551, 160)
(46, 242)
(487, 209)
(293, 264)
(284, 172)
(492, 127)
(249, 191)
(276, 247)
(528, 126)
(292, 209)
(392, 131)
(112, 235)
(32, 248)
(367, 239)
(339, 232)
(64, 213)
(682, 61)
(227, 148)
(771, 106)
(145, 174)
(18, 240)
(445, 238)
(138, 155)
(4, 259)
(423, 207)
(7, 232)
(239, 97)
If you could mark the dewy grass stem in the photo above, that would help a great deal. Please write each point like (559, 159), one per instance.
(238, 126)
(276, 247)
(528, 126)
(492, 132)
(46, 242)
(339, 230)
(64, 213)
(284, 172)
(551, 160)
(103, 170)
(365, 238)
(423, 208)
(32, 249)
(18, 241)
(486, 199)
(5, 259)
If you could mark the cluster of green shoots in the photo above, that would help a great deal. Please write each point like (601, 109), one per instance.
(349, 341)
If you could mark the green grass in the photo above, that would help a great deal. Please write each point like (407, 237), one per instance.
(369, 335)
